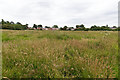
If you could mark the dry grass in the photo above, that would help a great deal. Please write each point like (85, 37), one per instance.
(60, 54)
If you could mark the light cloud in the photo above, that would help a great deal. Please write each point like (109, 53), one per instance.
(61, 12)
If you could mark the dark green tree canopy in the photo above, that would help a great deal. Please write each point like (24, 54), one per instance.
(114, 27)
(34, 26)
(11, 25)
(80, 26)
(55, 26)
(47, 27)
(40, 26)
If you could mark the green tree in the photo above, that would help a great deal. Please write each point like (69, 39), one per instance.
(40, 26)
(70, 28)
(94, 28)
(86, 29)
(34, 26)
(19, 23)
(3, 22)
(11, 25)
(12, 22)
(114, 27)
(55, 26)
(80, 26)
(47, 27)
(26, 26)
(65, 28)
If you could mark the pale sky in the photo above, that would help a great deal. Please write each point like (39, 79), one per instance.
(60, 12)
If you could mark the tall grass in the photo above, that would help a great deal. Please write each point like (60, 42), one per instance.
(60, 54)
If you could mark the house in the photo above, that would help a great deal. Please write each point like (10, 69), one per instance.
(50, 28)
(34, 28)
(55, 28)
(39, 28)
(44, 28)
(72, 29)
(113, 28)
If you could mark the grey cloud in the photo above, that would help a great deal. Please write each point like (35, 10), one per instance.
(60, 12)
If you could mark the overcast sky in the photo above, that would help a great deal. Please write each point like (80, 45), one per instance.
(60, 12)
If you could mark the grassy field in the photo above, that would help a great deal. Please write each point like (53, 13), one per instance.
(59, 54)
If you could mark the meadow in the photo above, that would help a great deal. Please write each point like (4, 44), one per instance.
(59, 54)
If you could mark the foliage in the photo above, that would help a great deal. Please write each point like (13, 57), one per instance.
(40, 26)
(11, 25)
(55, 26)
(80, 26)
(18, 26)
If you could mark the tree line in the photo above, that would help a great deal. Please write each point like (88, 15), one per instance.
(13, 26)
(18, 26)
